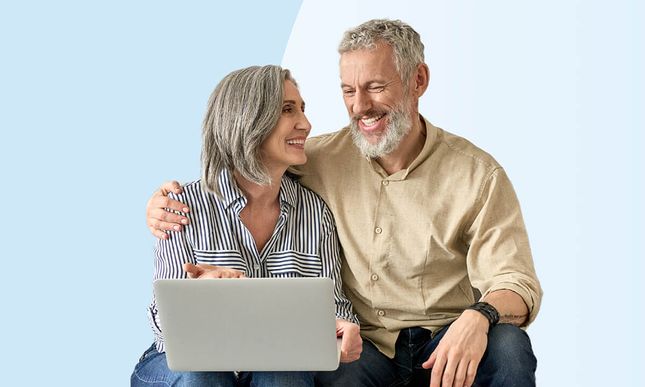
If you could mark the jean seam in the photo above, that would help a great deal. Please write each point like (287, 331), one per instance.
(136, 374)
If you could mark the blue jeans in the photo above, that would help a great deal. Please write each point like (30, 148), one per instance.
(152, 371)
(508, 361)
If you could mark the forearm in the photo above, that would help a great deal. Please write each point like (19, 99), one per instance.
(343, 305)
(509, 305)
(331, 261)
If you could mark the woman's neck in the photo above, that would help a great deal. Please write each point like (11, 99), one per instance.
(262, 210)
(257, 194)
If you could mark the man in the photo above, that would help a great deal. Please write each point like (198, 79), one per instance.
(423, 217)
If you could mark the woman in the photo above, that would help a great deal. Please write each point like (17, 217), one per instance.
(249, 216)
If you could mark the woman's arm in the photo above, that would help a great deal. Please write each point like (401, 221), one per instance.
(347, 327)
(330, 258)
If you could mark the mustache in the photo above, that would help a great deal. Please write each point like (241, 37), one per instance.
(369, 113)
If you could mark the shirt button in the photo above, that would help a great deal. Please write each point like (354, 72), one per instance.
(378, 230)
(374, 277)
(385, 182)
(381, 313)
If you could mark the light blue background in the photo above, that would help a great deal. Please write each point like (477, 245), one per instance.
(100, 103)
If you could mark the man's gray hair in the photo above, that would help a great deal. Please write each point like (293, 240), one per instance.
(242, 111)
(405, 42)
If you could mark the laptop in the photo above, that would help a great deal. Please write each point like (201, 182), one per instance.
(249, 324)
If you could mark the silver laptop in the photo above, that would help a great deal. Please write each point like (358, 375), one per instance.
(250, 324)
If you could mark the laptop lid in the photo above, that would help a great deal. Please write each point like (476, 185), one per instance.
(251, 324)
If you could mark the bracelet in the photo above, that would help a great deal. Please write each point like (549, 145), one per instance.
(488, 310)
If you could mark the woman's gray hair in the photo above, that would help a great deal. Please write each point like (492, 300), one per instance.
(242, 111)
(404, 40)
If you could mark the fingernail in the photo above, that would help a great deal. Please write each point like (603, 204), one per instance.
(184, 221)
(176, 228)
(185, 209)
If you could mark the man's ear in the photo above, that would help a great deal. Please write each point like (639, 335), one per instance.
(421, 79)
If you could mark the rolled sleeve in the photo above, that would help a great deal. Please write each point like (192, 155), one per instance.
(499, 255)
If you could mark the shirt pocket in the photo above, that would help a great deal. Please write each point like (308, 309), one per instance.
(293, 264)
(227, 258)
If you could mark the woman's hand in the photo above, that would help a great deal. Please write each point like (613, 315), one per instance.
(209, 271)
(351, 344)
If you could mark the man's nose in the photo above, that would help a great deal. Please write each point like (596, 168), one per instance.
(362, 103)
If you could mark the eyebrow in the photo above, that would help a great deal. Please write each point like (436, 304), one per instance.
(293, 102)
(381, 82)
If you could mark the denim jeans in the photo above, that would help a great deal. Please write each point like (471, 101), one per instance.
(152, 371)
(508, 361)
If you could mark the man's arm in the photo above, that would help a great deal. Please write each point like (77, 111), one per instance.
(171, 255)
(456, 358)
(511, 306)
(499, 259)
(158, 211)
(499, 262)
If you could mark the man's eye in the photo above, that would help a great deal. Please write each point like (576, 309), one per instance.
(287, 109)
(348, 92)
(376, 89)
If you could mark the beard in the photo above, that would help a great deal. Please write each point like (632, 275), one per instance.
(399, 124)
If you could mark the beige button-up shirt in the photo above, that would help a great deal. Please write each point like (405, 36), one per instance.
(416, 242)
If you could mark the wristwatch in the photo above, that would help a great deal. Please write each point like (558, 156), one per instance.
(488, 310)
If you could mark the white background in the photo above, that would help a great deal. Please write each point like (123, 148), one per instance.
(554, 91)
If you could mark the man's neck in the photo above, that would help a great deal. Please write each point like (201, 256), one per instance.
(408, 150)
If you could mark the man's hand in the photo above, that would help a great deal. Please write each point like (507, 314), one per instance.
(351, 344)
(209, 271)
(455, 360)
(158, 216)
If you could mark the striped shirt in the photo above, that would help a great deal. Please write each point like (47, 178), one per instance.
(304, 242)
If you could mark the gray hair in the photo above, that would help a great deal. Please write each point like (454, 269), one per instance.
(405, 42)
(242, 111)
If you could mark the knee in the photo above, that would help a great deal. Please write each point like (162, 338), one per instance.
(509, 351)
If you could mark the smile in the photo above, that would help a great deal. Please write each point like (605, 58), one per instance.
(296, 141)
(370, 121)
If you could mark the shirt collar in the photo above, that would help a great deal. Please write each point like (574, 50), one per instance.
(288, 191)
(229, 189)
(428, 146)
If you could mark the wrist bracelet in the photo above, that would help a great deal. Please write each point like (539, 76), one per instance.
(487, 310)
